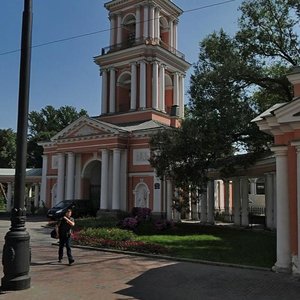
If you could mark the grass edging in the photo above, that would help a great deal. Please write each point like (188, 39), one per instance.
(172, 258)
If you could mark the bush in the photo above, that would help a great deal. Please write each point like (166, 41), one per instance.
(129, 223)
(106, 222)
(163, 224)
(115, 234)
(87, 238)
(141, 213)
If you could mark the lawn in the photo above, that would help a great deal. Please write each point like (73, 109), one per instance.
(219, 244)
(213, 243)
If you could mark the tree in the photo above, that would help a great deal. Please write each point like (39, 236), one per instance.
(234, 79)
(45, 124)
(7, 148)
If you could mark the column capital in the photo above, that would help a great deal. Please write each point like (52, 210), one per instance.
(280, 150)
(296, 144)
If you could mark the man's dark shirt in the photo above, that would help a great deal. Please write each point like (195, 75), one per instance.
(64, 229)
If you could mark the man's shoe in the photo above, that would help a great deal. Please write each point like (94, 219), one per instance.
(71, 262)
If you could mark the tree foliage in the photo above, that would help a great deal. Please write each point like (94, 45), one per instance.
(45, 124)
(234, 79)
(7, 148)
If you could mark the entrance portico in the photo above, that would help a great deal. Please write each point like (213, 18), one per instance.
(283, 122)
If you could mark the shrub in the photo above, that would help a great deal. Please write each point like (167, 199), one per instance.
(163, 224)
(86, 238)
(129, 223)
(141, 213)
(115, 234)
(107, 222)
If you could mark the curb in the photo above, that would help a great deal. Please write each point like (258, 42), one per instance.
(171, 258)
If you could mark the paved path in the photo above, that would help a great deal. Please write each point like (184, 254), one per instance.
(102, 275)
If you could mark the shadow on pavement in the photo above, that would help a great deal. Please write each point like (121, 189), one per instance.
(195, 281)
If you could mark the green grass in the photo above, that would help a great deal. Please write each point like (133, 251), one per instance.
(212, 243)
(221, 245)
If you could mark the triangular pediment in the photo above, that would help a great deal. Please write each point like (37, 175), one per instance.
(289, 113)
(84, 127)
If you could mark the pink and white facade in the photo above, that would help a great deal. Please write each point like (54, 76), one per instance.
(283, 122)
(105, 158)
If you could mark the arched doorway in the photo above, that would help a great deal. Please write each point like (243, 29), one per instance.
(92, 183)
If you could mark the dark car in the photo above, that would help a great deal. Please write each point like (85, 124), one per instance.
(79, 207)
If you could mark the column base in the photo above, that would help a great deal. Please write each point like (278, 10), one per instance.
(280, 269)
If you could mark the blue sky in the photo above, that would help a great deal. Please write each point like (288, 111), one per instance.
(64, 73)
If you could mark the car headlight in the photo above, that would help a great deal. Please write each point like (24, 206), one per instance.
(59, 211)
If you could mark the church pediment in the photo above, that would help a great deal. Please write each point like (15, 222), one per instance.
(84, 127)
(289, 113)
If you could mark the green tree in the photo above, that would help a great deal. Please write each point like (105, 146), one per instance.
(45, 124)
(234, 79)
(7, 148)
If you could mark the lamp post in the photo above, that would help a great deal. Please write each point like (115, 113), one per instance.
(16, 250)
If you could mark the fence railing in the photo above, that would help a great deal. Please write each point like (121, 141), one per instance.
(136, 42)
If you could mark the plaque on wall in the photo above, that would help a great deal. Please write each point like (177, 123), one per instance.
(141, 157)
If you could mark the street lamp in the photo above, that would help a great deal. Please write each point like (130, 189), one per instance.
(16, 250)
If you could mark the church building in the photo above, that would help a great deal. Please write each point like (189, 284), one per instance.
(106, 158)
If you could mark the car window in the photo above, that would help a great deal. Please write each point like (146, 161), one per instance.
(63, 204)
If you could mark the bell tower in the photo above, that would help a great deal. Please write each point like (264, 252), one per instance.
(142, 70)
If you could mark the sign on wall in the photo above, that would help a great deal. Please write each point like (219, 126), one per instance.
(141, 157)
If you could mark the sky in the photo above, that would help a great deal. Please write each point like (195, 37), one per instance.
(63, 73)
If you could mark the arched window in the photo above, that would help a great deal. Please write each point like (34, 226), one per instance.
(164, 31)
(128, 30)
(123, 92)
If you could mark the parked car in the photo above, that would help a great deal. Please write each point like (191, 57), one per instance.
(80, 208)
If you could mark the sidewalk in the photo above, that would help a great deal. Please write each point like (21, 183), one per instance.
(104, 275)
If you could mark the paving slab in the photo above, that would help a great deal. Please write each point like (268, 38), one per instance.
(106, 275)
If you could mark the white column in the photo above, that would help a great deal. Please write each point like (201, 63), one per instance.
(226, 200)
(116, 179)
(142, 84)
(151, 22)
(253, 186)
(156, 24)
(176, 89)
(44, 180)
(138, 22)
(123, 179)
(133, 87)
(175, 34)
(60, 178)
(146, 22)
(70, 175)
(236, 200)
(171, 33)
(104, 179)
(162, 88)
(181, 96)
(169, 200)
(104, 92)
(283, 262)
(298, 203)
(9, 197)
(245, 201)
(36, 194)
(112, 90)
(112, 29)
(203, 203)
(77, 192)
(119, 29)
(269, 199)
(211, 202)
(155, 85)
